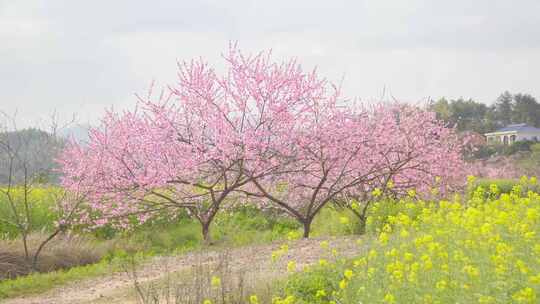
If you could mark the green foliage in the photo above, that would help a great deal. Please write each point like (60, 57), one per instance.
(531, 161)
(236, 227)
(485, 151)
(526, 109)
(535, 149)
(248, 225)
(335, 222)
(314, 286)
(162, 237)
(469, 115)
(519, 146)
(41, 211)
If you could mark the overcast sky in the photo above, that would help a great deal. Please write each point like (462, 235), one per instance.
(84, 56)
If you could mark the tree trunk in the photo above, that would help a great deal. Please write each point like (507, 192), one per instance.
(362, 217)
(40, 248)
(25, 246)
(362, 226)
(307, 227)
(206, 233)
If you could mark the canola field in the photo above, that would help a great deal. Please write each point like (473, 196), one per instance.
(482, 250)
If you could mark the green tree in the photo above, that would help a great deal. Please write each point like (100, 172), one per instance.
(466, 115)
(503, 108)
(469, 115)
(442, 109)
(526, 110)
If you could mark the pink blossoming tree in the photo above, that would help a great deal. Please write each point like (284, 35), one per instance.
(343, 154)
(331, 151)
(420, 156)
(200, 142)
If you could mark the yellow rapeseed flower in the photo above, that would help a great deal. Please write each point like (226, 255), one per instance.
(215, 281)
(441, 285)
(535, 279)
(291, 266)
(253, 299)
(389, 298)
(525, 295)
(486, 300)
(383, 238)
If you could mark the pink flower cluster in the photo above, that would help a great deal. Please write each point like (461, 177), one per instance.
(265, 129)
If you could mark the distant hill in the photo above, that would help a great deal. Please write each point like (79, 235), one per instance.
(77, 132)
(30, 153)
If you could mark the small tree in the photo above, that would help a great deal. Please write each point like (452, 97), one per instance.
(26, 165)
(332, 149)
(419, 153)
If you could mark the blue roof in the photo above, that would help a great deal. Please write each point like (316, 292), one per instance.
(519, 128)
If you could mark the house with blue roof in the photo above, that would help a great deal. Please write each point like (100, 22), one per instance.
(512, 133)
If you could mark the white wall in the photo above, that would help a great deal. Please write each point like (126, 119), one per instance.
(528, 135)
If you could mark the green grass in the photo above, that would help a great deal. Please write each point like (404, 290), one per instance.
(248, 225)
(335, 222)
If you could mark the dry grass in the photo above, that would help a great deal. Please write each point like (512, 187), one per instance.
(217, 280)
(64, 252)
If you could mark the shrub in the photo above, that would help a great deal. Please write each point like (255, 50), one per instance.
(315, 285)
(484, 151)
(518, 146)
(247, 225)
(335, 222)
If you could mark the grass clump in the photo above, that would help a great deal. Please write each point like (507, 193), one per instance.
(314, 286)
(249, 225)
(61, 253)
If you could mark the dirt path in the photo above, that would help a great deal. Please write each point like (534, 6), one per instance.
(118, 287)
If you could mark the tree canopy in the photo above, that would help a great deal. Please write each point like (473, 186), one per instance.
(470, 115)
